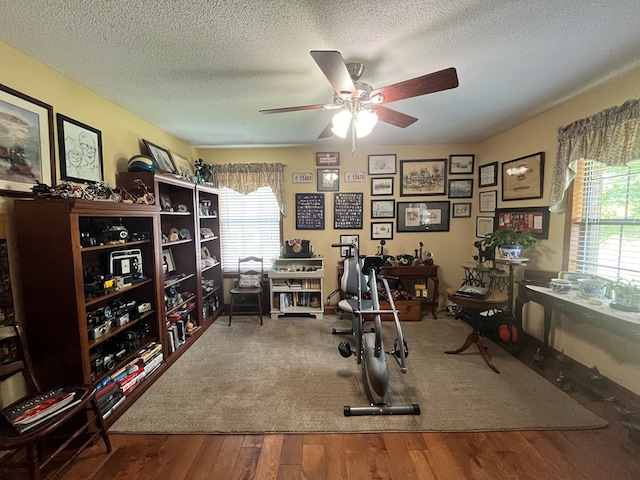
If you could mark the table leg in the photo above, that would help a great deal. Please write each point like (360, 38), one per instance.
(434, 303)
(475, 337)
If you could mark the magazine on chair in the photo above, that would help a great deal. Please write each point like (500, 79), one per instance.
(473, 292)
(29, 413)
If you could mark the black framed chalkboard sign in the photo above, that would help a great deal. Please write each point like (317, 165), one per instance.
(309, 211)
(347, 211)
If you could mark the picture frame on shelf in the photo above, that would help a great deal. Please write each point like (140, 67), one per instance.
(328, 180)
(382, 164)
(183, 165)
(168, 263)
(162, 156)
(488, 201)
(461, 210)
(381, 230)
(383, 208)
(523, 178)
(488, 175)
(461, 188)
(423, 177)
(484, 226)
(524, 219)
(423, 216)
(381, 186)
(80, 148)
(35, 158)
(344, 251)
(327, 159)
(461, 164)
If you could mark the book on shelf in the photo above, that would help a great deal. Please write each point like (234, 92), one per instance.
(115, 404)
(29, 413)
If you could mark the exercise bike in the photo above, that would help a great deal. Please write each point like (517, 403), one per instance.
(361, 276)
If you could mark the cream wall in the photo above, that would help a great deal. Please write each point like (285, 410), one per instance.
(122, 131)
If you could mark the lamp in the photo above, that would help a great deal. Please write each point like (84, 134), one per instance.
(363, 121)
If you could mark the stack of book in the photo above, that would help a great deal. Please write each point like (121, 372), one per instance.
(109, 397)
(29, 413)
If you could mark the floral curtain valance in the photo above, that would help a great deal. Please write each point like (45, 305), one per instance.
(248, 177)
(611, 137)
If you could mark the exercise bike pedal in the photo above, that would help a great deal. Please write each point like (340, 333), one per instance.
(345, 350)
(396, 349)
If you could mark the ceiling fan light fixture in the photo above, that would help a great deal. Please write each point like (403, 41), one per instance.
(364, 122)
(341, 123)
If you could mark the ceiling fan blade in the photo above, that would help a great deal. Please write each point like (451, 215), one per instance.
(429, 83)
(394, 117)
(292, 109)
(332, 65)
(326, 133)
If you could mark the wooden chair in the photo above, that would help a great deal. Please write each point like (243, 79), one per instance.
(248, 284)
(85, 411)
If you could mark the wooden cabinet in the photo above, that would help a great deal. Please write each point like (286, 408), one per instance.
(296, 287)
(210, 252)
(83, 324)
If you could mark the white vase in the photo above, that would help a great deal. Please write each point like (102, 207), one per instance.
(510, 252)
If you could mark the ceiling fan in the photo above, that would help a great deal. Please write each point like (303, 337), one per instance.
(359, 105)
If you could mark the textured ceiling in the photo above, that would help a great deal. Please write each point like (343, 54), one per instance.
(202, 69)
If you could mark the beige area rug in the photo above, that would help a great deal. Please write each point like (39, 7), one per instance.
(287, 376)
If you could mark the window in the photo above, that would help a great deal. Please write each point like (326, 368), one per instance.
(250, 226)
(605, 221)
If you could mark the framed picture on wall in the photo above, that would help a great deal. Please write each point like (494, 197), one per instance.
(462, 188)
(461, 164)
(381, 230)
(383, 208)
(461, 210)
(488, 201)
(488, 175)
(161, 156)
(345, 251)
(328, 180)
(382, 164)
(423, 216)
(523, 177)
(524, 219)
(484, 226)
(423, 177)
(32, 155)
(381, 186)
(80, 151)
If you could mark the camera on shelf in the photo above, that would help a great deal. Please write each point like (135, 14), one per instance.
(99, 322)
(109, 362)
(87, 240)
(97, 284)
(126, 266)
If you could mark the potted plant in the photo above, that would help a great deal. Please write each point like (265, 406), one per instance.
(626, 295)
(510, 242)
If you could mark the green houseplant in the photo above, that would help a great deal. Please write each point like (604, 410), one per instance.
(626, 295)
(510, 241)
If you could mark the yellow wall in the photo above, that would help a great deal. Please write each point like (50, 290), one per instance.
(122, 131)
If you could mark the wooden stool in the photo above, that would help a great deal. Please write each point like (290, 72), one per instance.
(494, 300)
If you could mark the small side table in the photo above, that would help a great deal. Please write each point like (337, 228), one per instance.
(495, 300)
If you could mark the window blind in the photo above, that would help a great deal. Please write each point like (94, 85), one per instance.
(250, 225)
(605, 230)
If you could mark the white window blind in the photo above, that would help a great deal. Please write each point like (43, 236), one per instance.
(605, 230)
(250, 226)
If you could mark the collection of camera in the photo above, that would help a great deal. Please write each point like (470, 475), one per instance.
(109, 234)
(112, 351)
(116, 314)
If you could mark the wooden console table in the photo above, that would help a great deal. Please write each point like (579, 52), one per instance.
(577, 309)
(413, 273)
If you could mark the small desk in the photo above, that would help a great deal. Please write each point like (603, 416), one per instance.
(417, 272)
(494, 300)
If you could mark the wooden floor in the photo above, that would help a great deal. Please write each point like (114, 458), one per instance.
(605, 453)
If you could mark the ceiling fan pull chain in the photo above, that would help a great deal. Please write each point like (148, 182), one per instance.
(353, 136)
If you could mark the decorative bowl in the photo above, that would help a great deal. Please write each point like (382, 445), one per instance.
(591, 287)
(560, 285)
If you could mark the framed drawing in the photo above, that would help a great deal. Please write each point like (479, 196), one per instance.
(484, 226)
(423, 216)
(381, 186)
(488, 201)
(347, 210)
(461, 188)
(383, 208)
(461, 210)
(344, 251)
(488, 175)
(183, 165)
(168, 264)
(461, 164)
(309, 211)
(423, 177)
(161, 156)
(80, 151)
(327, 159)
(524, 219)
(523, 177)
(381, 230)
(28, 124)
(328, 180)
(382, 164)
